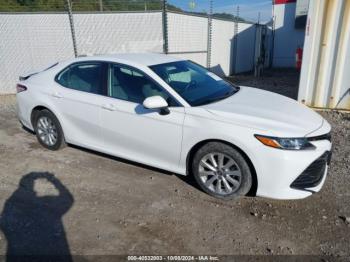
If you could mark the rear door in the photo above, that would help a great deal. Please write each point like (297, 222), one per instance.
(79, 93)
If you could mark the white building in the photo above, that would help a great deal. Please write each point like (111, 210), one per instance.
(289, 30)
(325, 73)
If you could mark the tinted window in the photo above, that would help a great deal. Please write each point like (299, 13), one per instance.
(132, 85)
(194, 83)
(87, 77)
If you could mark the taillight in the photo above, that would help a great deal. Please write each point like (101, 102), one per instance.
(21, 88)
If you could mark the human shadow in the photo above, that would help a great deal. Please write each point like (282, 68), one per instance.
(32, 224)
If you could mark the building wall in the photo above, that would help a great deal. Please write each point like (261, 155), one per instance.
(286, 39)
(240, 47)
(245, 48)
(325, 78)
(226, 58)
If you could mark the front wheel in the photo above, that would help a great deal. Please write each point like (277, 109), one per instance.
(48, 130)
(221, 171)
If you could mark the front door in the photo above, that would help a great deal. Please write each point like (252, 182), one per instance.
(134, 132)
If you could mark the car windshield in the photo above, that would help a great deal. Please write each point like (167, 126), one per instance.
(194, 83)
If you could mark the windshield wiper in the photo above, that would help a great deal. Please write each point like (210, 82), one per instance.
(215, 99)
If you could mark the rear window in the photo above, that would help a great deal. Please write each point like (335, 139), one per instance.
(86, 77)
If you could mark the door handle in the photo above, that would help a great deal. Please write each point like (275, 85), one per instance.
(109, 107)
(57, 95)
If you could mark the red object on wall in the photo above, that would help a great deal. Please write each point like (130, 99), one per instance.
(299, 58)
(280, 2)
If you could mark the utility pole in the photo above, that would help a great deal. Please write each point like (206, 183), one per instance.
(209, 33)
(71, 22)
(235, 42)
(165, 27)
(236, 21)
(101, 5)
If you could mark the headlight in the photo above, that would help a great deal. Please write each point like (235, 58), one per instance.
(286, 143)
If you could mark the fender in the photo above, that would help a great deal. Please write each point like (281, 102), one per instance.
(51, 108)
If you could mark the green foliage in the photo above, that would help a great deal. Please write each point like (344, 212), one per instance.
(31, 5)
(225, 16)
(228, 17)
(94, 5)
(82, 5)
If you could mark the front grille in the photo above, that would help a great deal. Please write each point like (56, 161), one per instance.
(312, 176)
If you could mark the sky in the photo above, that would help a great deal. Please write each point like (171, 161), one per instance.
(249, 9)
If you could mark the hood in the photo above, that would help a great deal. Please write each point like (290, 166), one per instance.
(275, 114)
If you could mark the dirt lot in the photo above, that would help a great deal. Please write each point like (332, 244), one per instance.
(104, 205)
(282, 81)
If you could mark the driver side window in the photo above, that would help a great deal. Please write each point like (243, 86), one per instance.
(132, 85)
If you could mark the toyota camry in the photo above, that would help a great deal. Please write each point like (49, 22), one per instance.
(176, 115)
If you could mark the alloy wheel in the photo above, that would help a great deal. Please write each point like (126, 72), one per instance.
(47, 131)
(220, 173)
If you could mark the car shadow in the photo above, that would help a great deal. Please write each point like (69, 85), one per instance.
(32, 223)
(28, 130)
(187, 179)
(122, 160)
(141, 110)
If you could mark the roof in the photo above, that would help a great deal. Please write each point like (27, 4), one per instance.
(145, 59)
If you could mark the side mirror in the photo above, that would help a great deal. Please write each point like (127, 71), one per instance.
(157, 102)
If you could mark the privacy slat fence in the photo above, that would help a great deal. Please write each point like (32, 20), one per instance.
(31, 41)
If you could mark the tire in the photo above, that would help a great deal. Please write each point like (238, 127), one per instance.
(48, 130)
(231, 171)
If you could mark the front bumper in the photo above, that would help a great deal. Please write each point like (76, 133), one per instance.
(281, 168)
(313, 174)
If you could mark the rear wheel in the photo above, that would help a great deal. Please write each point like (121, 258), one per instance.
(221, 171)
(48, 130)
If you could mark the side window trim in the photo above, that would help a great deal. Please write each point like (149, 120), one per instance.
(178, 104)
(105, 83)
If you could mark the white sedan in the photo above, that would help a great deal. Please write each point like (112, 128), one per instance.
(175, 115)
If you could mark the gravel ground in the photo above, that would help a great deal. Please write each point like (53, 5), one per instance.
(282, 81)
(105, 205)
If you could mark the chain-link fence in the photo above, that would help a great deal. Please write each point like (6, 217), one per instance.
(117, 26)
(35, 33)
(188, 32)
